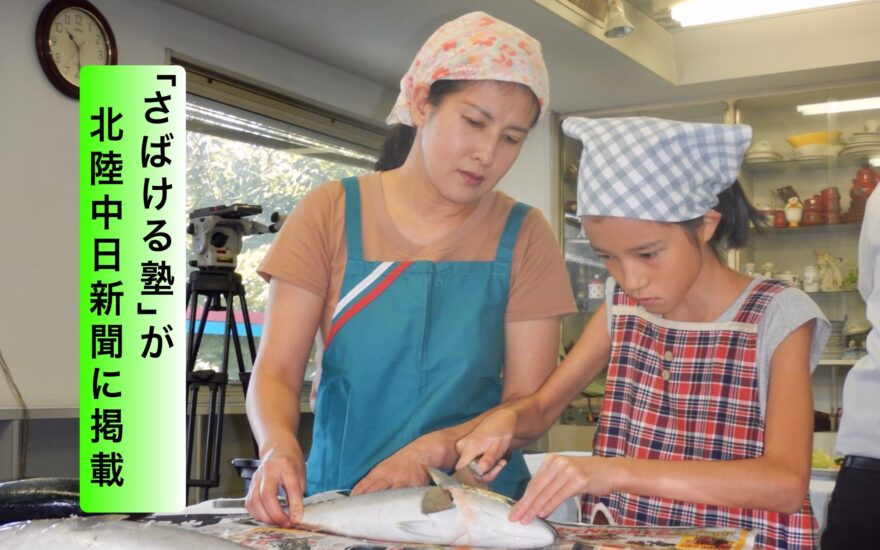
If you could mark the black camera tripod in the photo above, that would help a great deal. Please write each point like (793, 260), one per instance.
(219, 286)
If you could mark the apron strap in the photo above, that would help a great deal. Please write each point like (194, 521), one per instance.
(504, 254)
(759, 298)
(353, 239)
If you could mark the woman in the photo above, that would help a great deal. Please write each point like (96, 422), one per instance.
(434, 296)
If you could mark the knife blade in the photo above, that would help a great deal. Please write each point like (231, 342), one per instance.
(469, 475)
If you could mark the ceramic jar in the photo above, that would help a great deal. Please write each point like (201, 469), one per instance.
(789, 277)
(811, 279)
(829, 199)
(779, 219)
(863, 184)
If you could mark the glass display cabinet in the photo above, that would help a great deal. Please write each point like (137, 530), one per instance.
(809, 171)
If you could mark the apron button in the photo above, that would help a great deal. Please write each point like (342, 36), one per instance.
(665, 374)
(668, 356)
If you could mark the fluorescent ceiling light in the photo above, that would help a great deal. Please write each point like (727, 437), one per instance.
(862, 104)
(874, 161)
(702, 12)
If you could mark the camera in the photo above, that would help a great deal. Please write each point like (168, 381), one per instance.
(218, 231)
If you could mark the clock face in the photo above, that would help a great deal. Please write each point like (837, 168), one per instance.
(76, 39)
(70, 35)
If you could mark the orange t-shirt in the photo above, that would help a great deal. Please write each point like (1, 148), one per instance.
(310, 249)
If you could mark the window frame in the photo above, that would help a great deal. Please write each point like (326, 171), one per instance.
(243, 93)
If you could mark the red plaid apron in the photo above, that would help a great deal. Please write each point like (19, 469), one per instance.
(689, 393)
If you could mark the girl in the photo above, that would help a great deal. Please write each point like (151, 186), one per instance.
(707, 416)
(423, 283)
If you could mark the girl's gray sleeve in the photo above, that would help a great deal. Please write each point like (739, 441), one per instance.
(788, 310)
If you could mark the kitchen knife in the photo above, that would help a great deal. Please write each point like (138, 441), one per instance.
(468, 475)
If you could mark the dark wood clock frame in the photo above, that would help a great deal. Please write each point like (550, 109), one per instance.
(44, 23)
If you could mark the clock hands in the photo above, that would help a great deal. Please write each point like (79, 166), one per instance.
(72, 39)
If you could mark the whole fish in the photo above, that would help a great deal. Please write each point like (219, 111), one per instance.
(76, 533)
(39, 498)
(449, 514)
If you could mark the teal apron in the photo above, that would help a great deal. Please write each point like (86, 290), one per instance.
(413, 347)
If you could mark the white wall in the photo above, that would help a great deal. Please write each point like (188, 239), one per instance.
(530, 177)
(39, 155)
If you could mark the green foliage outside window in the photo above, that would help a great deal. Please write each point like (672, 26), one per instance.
(269, 173)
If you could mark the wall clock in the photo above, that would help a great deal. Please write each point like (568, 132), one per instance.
(71, 34)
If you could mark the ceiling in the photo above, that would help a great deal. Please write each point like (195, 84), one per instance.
(376, 39)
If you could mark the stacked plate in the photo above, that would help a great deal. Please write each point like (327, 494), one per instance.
(756, 157)
(836, 343)
(861, 145)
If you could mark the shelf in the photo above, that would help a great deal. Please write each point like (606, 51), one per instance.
(837, 362)
(809, 229)
(804, 164)
(833, 293)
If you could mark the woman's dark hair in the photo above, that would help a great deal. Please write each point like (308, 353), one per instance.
(399, 141)
(396, 147)
(737, 217)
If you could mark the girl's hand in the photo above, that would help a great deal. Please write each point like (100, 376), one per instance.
(489, 441)
(279, 468)
(560, 477)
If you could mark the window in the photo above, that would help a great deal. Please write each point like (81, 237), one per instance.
(252, 146)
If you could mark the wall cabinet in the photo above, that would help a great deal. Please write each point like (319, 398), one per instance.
(822, 177)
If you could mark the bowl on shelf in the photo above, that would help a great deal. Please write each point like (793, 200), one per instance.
(813, 138)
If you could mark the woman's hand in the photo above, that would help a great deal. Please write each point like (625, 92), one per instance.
(273, 400)
(406, 467)
(560, 477)
(283, 466)
(402, 469)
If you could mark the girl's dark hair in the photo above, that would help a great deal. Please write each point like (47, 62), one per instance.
(737, 217)
(400, 138)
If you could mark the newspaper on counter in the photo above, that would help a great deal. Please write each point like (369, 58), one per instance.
(246, 531)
